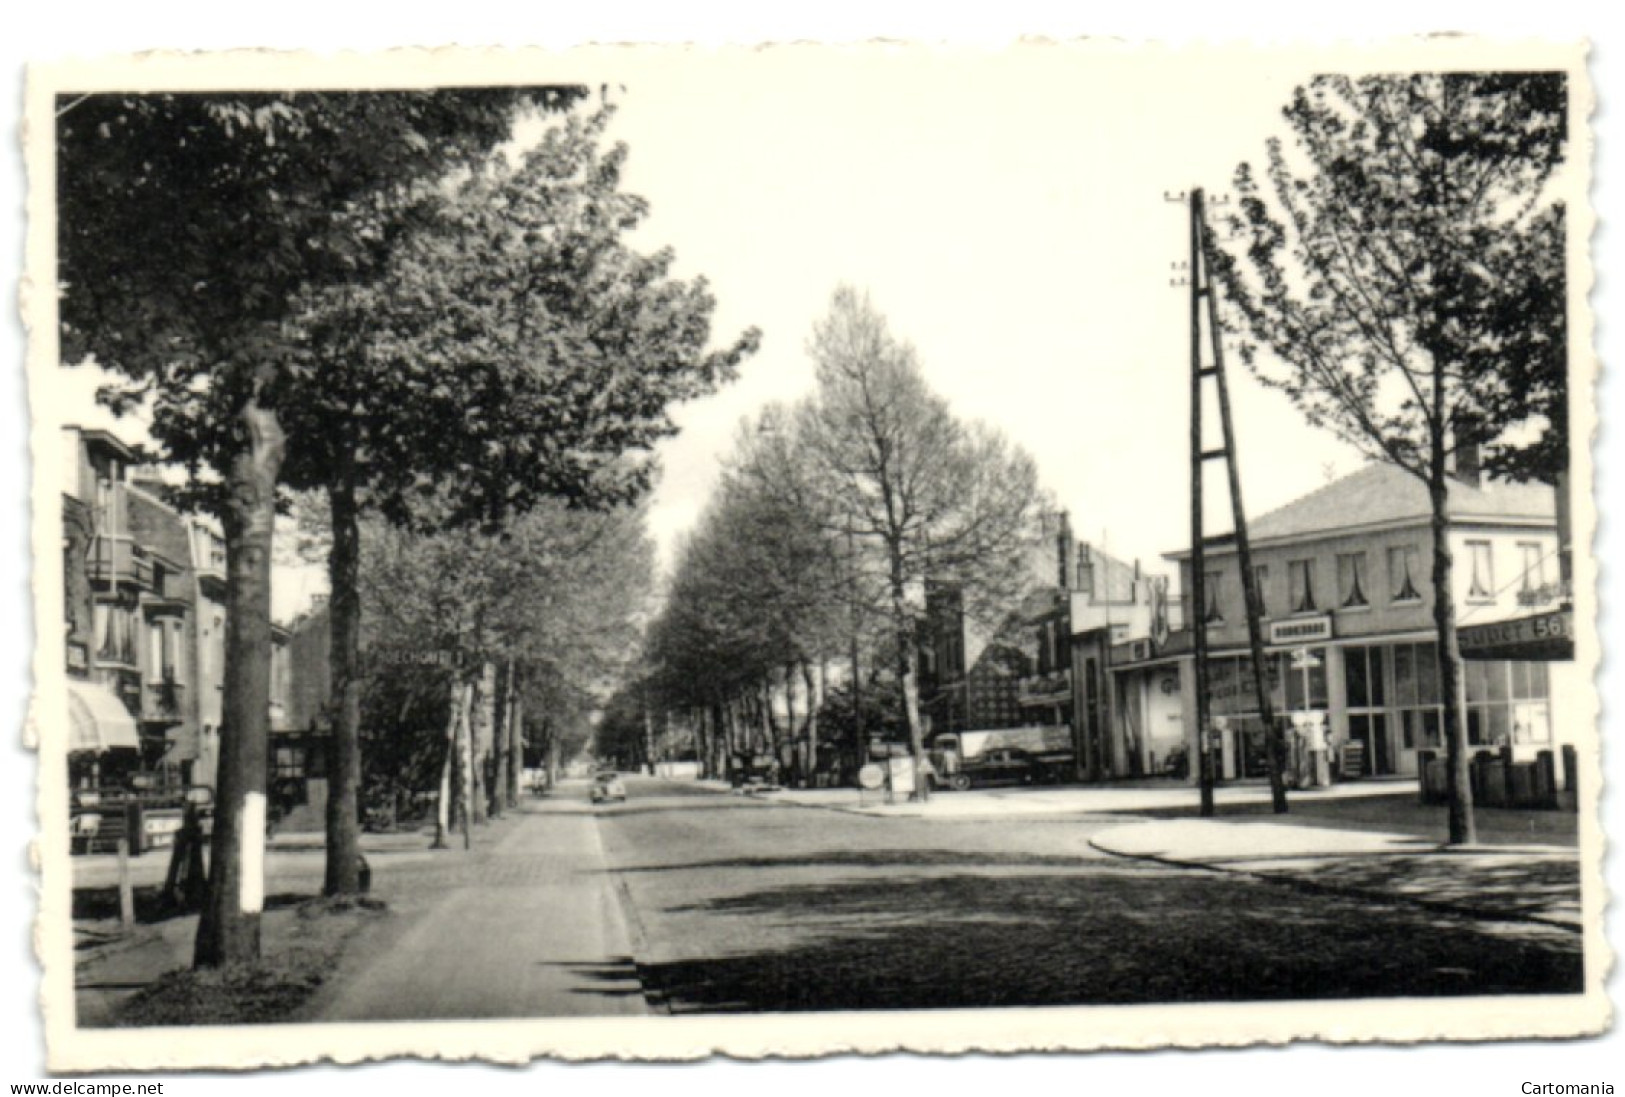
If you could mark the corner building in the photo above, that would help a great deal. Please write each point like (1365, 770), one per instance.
(1345, 578)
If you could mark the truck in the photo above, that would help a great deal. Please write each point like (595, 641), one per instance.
(1036, 754)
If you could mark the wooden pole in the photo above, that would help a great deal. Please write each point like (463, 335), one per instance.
(1244, 555)
(1196, 623)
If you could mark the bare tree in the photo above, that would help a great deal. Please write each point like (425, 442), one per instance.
(922, 494)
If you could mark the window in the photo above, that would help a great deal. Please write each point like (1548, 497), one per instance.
(115, 634)
(155, 651)
(1533, 562)
(1301, 574)
(1210, 595)
(1481, 585)
(1403, 565)
(1507, 703)
(1351, 582)
(1261, 584)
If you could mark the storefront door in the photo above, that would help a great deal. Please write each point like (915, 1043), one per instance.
(1371, 730)
(1365, 680)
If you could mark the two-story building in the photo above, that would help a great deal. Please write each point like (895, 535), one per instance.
(1344, 577)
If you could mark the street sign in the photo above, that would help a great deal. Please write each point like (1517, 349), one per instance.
(1304, 659)
(871, 777)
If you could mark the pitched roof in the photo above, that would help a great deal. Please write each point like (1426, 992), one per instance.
(1383, 494)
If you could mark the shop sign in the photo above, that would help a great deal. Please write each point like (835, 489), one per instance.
(1301, 630)
(1541, 636)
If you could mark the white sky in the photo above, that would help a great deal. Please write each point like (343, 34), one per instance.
(1008, 216)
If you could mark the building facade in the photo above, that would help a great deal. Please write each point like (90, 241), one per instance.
(1344, 578)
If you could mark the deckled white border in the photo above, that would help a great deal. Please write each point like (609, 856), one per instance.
(754, 1035)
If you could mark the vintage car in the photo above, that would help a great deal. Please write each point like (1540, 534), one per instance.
(607, 786)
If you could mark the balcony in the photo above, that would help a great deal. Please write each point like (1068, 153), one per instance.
(163, 702)
(118, 561)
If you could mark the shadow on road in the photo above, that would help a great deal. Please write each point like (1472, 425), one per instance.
(922, 941)
(902, 858)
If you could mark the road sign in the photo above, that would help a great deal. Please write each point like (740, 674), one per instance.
(871, 777)
(1304, 659)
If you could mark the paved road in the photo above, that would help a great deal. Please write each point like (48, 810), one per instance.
(687, 899)
(748, 906)
(528, 926)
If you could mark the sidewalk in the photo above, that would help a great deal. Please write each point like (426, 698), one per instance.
(1538, 883)
(1077, 800)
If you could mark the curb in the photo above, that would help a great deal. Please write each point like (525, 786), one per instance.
(1303, 884)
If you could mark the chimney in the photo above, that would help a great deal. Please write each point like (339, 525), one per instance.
(1469, 468)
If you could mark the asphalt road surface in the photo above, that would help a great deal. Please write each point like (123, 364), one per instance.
(687, 899)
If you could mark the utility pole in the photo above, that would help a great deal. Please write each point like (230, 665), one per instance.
(1201, 285)
(1198, 608)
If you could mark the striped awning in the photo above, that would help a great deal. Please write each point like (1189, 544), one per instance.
(98, 720)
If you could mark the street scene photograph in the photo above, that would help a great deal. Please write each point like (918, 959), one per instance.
(904, 536)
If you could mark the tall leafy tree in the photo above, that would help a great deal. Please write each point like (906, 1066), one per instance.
(190, 228)
(1401, 275)
(508, 340)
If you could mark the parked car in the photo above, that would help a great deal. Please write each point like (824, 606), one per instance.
(1005, 766)
(607, 787)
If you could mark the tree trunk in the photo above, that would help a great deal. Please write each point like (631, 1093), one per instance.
(815, 697)
(442, 810)
(908, 674)
(1451, 686)
(516, 737)
(467, 787)
(343, 876)
(229, 929)
(504, 714)
(482, 721)
(793, 747)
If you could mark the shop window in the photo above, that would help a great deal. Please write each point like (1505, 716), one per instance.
(1403, 567)
(1481, 584)
(1301, 574)
(1351, 581)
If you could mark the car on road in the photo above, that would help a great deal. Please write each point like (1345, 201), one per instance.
(607, 787)
(1006, 766)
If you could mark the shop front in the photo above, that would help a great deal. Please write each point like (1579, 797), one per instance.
(1381, 697)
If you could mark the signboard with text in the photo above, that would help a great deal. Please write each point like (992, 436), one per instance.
(1541, 636)
(1301, 630)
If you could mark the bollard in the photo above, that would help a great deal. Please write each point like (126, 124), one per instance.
(126, 894)
(1546, 780)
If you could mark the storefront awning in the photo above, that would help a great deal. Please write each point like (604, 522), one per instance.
(1540, 637)
(98, 720)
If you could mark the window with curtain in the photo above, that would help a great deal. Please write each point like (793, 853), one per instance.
(1403, 572)
(1261, 583)
(1301, 574)
(1210, 594)
(1351, 582)
(1482, 581)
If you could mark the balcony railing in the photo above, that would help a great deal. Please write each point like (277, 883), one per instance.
(118, 560)
(162, 701)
